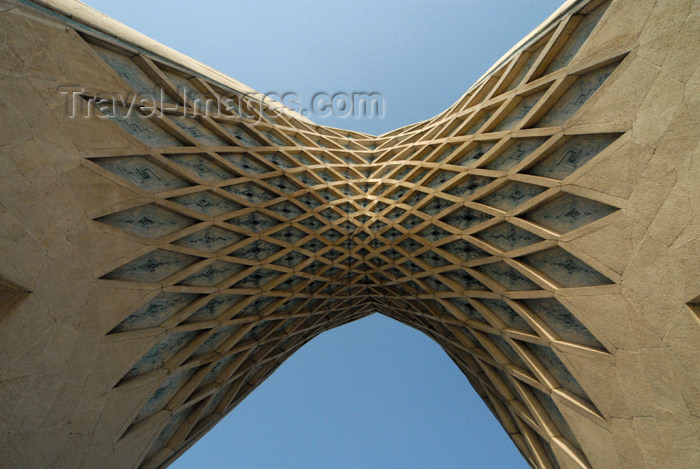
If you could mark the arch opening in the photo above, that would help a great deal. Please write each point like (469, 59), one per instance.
(371, 393)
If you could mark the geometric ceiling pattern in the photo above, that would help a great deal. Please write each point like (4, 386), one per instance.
(264, 232)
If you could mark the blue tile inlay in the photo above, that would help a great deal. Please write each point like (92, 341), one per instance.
(160, 353)
(556, 368)
(576, 96)
(202, 167)
(515, 152)
(508, 237)
(152, 314)
(507, 315)
(568, 212)
(562, 322)
(142, 173)
(149, 221)
(207, 203)
(213, 274)
(573, 154)
(507, 276)
(210, 239)
(214, 308)
(164, 393)
(565, 269)
(152, 267)
(511, 195)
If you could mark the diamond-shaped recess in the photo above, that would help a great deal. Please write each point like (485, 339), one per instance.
(254, 221)
(164, 393)
(472, 154)
(411, 222)
(202, 167)
(377, 225)
(332, 235)
(433, 259)
(257, 279)
(152, 267)
(312, 223)
(433, 233)
(392, 254)
(472, 314)
(332, 254)
(390, 234)
(250, 191)
(398, 193)
(289, 284)
(287, 210)
(434, 284)
(477, 121)
(215, 307)
(289, 235)
(440, 178)
(567, 51)
(212, 274)
(469, 185)
(414, 198)
(348, 226)
(283, 184)
(417, 175)
(210, 239)
(217, 338)
(157, 310)
(465, 217)
(576, 96)
(314, 267)
(309, 200)
(464, 279)
(511, 195)
(242, 134)
(291, 259)
(257, 250)
(506, 314)
(327, 195)
(207, 203)
(516, 151)
(279, 160)
(165, 349)
(314, 245)
(570, 155)
(246, 163)
(507, 237)
(330, 214)
(149, 221)
(197, 131)
(508, 277)
(410, 245)
(560, 319)
(412, 267)
(568, 212)
(522, 108)
(142, 173)
(565, 268)
(396, 213)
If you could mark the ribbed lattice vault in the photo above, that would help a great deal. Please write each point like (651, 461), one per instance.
(264, 234)
(255, 231)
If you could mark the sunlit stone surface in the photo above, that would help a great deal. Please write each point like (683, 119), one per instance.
(543, 230)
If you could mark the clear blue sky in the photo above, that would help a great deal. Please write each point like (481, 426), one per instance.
(374, 393)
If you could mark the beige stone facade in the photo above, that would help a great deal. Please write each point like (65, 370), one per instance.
(544, 230)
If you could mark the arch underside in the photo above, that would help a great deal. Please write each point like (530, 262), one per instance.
(257, 234)
(259, 251)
